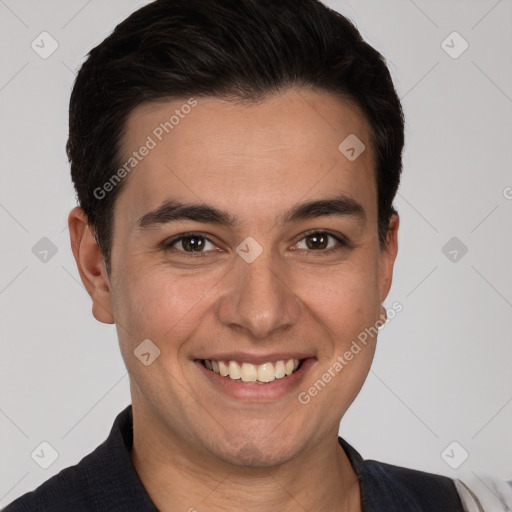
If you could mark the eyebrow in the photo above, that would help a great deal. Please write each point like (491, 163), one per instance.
(173, 211)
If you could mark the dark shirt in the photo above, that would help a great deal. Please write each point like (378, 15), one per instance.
(106, 480)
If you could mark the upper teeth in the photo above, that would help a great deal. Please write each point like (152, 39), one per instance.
(247, 372)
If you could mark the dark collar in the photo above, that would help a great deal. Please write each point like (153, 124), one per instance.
(120, 487)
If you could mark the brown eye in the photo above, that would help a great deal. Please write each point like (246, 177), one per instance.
(321, 242)
(190, 243)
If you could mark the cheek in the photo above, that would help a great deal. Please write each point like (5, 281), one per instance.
(346, 302)
(158, 305)
(346, 299)
(166, 309)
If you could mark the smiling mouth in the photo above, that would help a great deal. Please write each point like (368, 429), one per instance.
(256, 373)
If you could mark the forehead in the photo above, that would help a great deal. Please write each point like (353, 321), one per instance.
(253, 159)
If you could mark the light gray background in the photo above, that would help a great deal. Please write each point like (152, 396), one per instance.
(442, 371)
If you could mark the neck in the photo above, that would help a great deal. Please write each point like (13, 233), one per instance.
(178, 477)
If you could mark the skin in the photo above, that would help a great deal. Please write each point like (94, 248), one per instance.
(196, 447)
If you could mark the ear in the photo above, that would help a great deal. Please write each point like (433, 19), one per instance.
(91, 265)
(387, 257)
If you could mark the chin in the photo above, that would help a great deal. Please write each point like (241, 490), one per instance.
(260, 450)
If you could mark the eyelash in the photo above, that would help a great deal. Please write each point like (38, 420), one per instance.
(167, 245)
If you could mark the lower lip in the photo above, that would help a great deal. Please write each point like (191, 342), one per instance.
(253, 391)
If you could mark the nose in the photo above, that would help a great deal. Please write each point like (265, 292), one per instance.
(258, 299)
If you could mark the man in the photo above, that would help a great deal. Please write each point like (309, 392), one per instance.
(235, 162)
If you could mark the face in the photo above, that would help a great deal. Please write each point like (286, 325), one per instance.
(250, 276)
